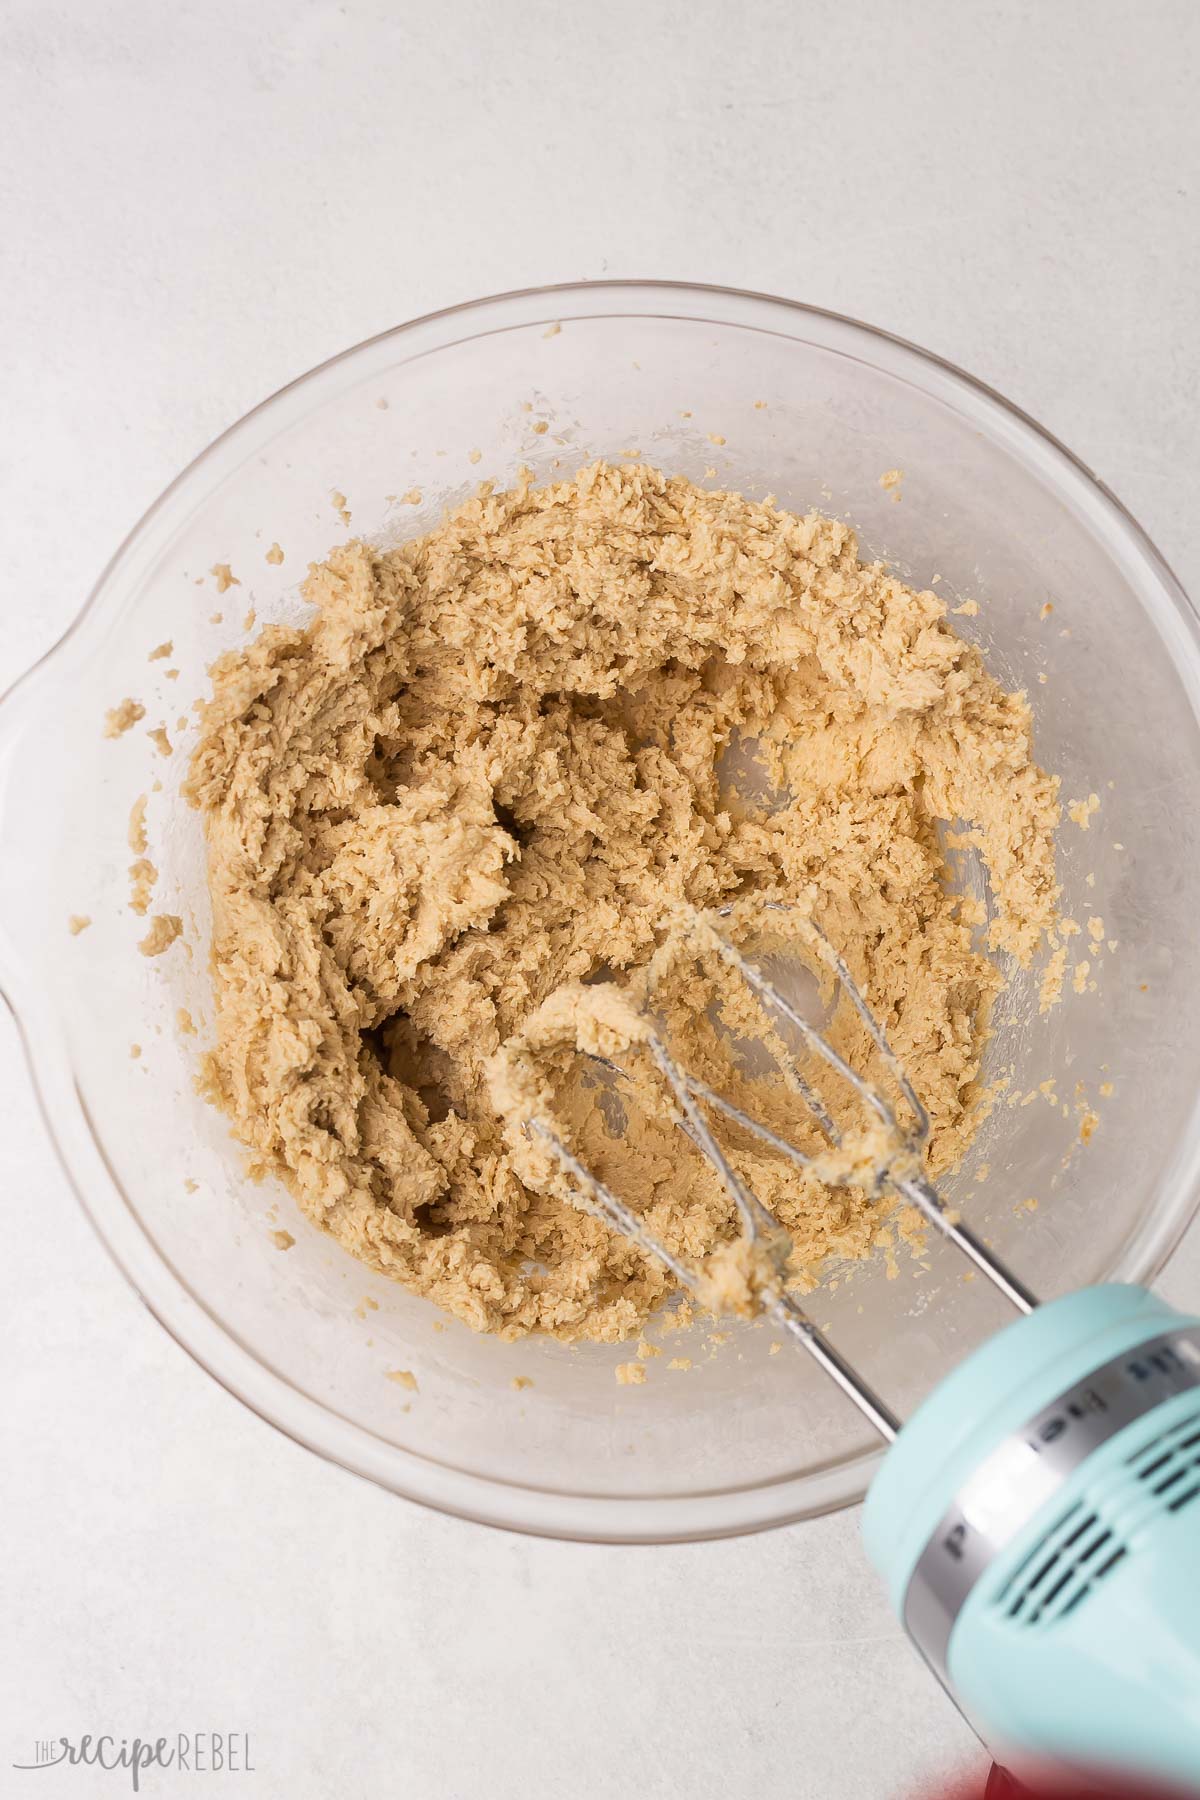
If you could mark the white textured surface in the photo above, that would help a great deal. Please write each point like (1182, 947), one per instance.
(202, 199)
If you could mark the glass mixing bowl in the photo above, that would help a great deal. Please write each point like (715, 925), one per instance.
(728, 388)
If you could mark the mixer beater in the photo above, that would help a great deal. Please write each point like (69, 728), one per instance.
(901, 1172)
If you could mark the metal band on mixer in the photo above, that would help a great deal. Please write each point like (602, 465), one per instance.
(1027, 1468)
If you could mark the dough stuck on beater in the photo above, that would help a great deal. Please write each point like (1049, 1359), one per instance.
(490, 767)
(535, 1081)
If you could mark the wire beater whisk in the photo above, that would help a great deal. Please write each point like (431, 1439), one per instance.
(901, 1173)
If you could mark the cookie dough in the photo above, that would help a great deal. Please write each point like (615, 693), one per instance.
(123, 717)
(493, 764)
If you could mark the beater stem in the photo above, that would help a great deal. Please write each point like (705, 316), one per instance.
(800, 1327)
(929, 1205)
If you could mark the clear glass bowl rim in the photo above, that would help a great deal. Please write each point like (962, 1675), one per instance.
(588, 1518)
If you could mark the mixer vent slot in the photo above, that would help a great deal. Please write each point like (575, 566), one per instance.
(1078, 1551)
(1169, 1466)
(1083, 1545)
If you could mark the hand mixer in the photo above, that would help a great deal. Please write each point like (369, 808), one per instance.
(1037, 1520)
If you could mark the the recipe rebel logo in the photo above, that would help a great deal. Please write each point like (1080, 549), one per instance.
(185, 1752)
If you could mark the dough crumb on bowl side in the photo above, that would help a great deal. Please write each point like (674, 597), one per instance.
(137, 839)
(123, 717)
(164, 929)
(490, 767)
(142, 877)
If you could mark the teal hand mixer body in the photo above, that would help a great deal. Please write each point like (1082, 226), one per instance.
(1037, 1521)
